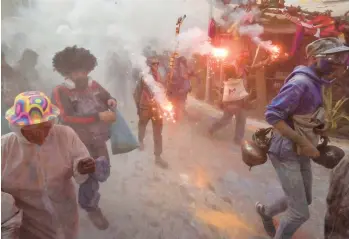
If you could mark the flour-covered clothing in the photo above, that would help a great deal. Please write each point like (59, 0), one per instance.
(80, 110)
(146, 104)
(39, 179)
(11, 217)
(299, 99)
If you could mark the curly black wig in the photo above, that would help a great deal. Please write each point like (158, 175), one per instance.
(73, 59)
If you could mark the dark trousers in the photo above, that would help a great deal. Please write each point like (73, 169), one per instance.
(144, 116)
(240, 117)
(88, 191)
(179, 105)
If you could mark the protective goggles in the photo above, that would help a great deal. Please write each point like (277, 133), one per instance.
(336, 59)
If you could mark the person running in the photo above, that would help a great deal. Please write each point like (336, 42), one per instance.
(11, 85)
(179, 86)
(234, 100)
(147, 110)
(38, 161)
(85, 106)
(290, 151)
(26, 67)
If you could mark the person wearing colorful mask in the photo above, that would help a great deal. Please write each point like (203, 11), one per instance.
(88, 108)
(38, 161)
(297, 116)
(147, 109)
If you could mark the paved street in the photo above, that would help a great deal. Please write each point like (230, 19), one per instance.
(208, 192)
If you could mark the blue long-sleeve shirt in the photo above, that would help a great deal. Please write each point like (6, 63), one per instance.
(300, 95)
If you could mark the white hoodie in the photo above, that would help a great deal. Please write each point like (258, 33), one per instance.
(39, 179)
(11, 217)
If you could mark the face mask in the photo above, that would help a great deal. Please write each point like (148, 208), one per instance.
(81, 83)
(36, 134)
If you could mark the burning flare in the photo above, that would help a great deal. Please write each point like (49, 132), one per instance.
(219, 52)
(274, 50)
(160, 98)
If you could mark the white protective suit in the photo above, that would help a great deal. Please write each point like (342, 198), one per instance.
(11, 217)
(39, 179)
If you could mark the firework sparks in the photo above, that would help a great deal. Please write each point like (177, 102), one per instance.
(168, 112)
(277, 53)
(220, 53)
(274, 50)
(162, 106)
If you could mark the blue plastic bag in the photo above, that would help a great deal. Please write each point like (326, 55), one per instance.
(122, 139)
(102, 171)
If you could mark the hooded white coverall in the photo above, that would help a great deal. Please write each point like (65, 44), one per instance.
(11, 217)
(39, 179)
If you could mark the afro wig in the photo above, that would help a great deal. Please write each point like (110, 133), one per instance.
(73, 59)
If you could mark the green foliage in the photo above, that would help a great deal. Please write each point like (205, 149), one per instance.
(334, 112)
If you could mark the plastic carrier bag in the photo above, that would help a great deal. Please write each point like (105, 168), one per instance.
(122, 138)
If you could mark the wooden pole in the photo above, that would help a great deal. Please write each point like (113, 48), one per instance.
(208, 63)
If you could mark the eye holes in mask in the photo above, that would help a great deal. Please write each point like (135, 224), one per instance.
(336, 59)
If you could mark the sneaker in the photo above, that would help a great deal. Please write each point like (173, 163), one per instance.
(98, 219)
(267, 220)
(160, 162)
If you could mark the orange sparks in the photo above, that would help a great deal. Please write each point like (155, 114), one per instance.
(220, 52)
(277, 53)
(168, 112)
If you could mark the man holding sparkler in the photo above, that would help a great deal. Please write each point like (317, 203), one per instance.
(290, 150)
(147, 110)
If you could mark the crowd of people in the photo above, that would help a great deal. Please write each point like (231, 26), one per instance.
(55, 139)
(73, 127)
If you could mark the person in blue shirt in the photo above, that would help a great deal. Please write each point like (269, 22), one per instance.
(300, 95)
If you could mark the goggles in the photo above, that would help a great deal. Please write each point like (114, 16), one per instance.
(336, 59)
(153, 62)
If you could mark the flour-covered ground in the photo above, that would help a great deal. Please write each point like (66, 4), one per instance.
(207, 194)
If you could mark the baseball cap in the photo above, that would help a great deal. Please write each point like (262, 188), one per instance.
(325, 46)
